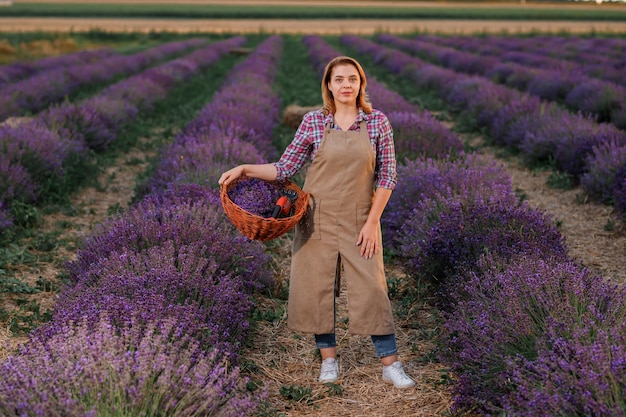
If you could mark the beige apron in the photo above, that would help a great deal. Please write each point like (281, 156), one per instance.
(341, 182)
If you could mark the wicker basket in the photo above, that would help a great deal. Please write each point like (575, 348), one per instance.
(263, 228)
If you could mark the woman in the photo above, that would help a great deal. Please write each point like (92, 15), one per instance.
(350, 179)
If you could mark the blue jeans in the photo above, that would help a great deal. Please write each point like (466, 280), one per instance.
(383, 345)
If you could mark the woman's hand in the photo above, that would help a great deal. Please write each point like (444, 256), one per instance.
(368, 239)
(231, 175)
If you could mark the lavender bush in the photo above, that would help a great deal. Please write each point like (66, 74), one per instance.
(424, 184)
(185, 215)
(48, 87)
(465, 232)
(508, 124)
(600, 99)
(103, 370)
(602, 166)
(421, 135)
(96, 122)
(582, 375)
(31, 156)
(201, 157)
(577, 141)
(479, 99)
(15, 182)
(23, 69)
(184, 281)
(513, 332)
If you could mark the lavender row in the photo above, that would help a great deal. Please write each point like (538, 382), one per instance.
(19, 70)
(602, 100)
(43, 150)
(598, 58)
(162, 295)
(517, 311)
(100, 118)
(47, 87)
(235, 127)
(542, 131)
(527, 331)
(152, 323)
(416, 132)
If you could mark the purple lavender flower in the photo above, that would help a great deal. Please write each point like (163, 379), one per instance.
(577, 140)
(597, 98)
(87, 369)
(256, 196)
(183, 281)
(22, 69)
(528, 336)
(423, 185)
(421, 135)
(183, 217)
(200, 157)
(602, 166)
(32, 155)
(465, 232)
(15, 181)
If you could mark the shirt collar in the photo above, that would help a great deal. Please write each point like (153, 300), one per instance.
(330, 119)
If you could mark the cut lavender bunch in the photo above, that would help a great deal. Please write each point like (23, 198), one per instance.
(256, 196)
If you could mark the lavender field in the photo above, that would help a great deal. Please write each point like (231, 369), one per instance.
(156, 307)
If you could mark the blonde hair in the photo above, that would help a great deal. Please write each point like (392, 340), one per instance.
(362, 100)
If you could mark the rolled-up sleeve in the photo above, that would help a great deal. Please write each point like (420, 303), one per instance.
(386, 175)
(297, 152)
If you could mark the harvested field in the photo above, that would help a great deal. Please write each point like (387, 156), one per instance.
(305, 26)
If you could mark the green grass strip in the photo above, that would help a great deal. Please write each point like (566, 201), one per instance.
(190, 11)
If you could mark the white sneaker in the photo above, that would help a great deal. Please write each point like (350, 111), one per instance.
(330, 370)
(394, 374)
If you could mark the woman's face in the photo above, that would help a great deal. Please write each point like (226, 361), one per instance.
(344, 84)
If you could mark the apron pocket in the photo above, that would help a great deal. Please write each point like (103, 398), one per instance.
(309, 226)
(362, 211)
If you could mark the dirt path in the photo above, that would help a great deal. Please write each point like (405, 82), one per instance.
(288, 363)
(593, 233)
(305, 26)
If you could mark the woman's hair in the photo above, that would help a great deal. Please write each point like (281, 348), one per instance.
(362, 100)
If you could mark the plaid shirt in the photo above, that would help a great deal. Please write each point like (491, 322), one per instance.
(309, 137)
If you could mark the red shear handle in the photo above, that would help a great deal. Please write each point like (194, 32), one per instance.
(282, 207)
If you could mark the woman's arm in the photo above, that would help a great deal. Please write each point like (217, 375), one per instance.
(267, 172)
(289, 164)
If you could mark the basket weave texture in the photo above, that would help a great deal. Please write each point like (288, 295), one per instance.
(263, 228)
